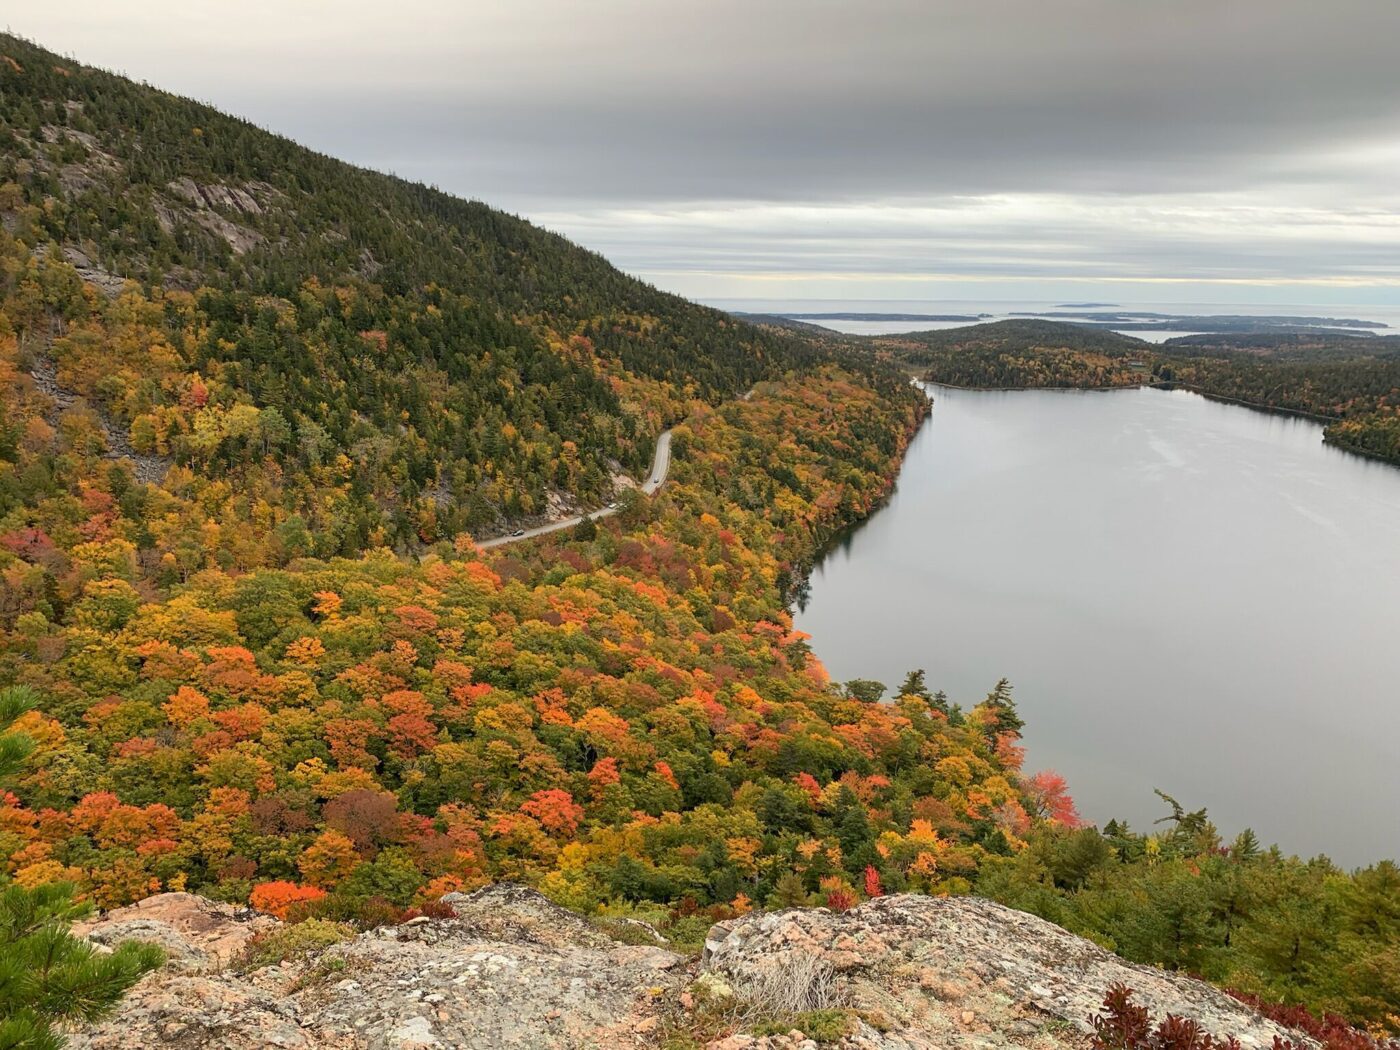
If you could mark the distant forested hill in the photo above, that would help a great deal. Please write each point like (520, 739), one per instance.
(1353, 382)
(225, 301)
(1023, 353)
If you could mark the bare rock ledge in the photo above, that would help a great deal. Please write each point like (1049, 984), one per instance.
(513, 971)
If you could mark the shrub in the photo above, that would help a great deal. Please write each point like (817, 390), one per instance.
(1126, 1025)
(1331, 1031)
(284, 899)
(292, 942)
(821, 1026)
(794, 983)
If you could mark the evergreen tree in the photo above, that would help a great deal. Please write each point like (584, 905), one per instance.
(15, 700)
(1175, 926)
(913, 685)
(48, 976)
(1246, 845)
(866, 690)
(586, 530)
(788, 892)
(1002, 709)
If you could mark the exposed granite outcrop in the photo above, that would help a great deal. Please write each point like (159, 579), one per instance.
(198, 935)
(512, 970)
(966, 972)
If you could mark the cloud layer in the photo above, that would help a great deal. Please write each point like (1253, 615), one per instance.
(1204, 140)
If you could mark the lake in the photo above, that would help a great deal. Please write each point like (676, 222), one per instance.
(1185, 595)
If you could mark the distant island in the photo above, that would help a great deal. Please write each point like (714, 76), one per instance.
(1146, 321)
(1118, 319)
(1084, 306)
(967, 318)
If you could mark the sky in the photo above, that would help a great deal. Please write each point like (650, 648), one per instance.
(1229, 151)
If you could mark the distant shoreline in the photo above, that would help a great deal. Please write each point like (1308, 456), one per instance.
(1163, 384)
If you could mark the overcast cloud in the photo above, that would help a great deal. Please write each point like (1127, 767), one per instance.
(1235, 150)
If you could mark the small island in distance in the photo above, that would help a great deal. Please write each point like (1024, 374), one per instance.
(1141, 321)
(844, 316)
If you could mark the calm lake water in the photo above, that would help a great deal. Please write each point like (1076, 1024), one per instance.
(1185, 594)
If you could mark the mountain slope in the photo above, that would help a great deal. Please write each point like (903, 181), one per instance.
(386, 363)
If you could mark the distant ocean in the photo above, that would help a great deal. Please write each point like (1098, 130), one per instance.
(1000, 310)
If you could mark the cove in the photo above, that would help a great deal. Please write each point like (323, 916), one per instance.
(1185, 594)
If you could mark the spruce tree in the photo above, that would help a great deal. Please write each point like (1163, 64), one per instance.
(914, 685)
(1004, 718)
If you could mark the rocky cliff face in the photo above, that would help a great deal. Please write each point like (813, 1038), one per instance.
(511, 970)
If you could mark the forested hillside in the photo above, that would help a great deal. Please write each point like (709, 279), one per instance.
(237, 375)
(625, 717)
(371, 360)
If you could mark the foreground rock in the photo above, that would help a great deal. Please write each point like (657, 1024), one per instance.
(960, 971)
(197, 934)
(512, 970)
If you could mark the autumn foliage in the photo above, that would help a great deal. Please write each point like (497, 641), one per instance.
(359, 734)
(281, 898)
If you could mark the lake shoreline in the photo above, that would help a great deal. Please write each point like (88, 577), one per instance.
(1254, 406)
(1164, 384)
(802, 571)
(1028, 525)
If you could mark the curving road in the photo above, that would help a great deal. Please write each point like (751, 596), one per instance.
(660, 467)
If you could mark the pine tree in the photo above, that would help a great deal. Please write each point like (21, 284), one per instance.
(14, 747)
(48, 976)
(866, 690)
(788, 892)
(1246, 845)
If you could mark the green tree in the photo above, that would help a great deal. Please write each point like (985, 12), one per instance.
(1077, 855)
(631, 508)
(15, 700)
(48, 976)
(866, 690)
(586, 530)
(1002, 711)
(1172, 924)
(788, 892)
(914, 685)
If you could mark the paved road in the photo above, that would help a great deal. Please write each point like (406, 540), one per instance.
(660, 467)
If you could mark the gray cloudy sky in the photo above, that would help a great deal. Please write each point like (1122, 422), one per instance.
(1159, 150)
